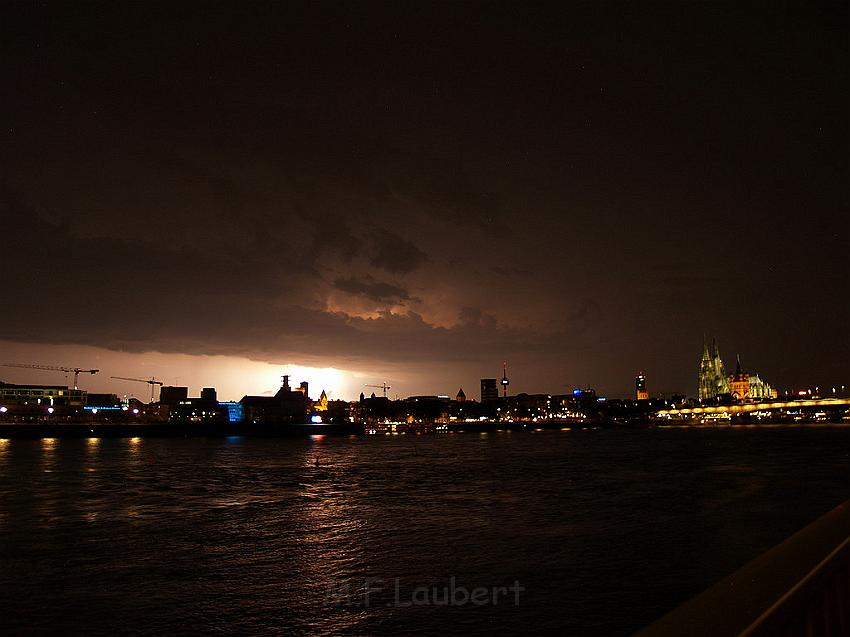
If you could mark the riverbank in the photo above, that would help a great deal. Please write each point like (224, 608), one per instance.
(218, 430)
(169, 430)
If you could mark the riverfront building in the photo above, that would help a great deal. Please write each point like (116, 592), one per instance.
(51, 395)
(286, 406)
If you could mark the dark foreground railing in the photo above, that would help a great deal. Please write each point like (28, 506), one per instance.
(799, 588)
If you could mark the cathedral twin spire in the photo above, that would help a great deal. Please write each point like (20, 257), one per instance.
(713, 380)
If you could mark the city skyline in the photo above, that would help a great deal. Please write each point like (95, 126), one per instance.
(232, 381)
(415, 195)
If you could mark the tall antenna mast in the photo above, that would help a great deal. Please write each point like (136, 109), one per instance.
(505, 381)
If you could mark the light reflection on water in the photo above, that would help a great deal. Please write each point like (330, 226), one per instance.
(606, 530)
(48, 455)
(330, 550)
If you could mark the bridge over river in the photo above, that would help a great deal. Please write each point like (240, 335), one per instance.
(831, 407)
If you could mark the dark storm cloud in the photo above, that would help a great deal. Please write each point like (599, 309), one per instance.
(47, 260)
(139, 297)
(451, 193)
(587, 186)
(334, 236)
(376, 290)
(475, 317)
(394, 254)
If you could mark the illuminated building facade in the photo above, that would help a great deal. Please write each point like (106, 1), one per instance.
(322, 403)
(739, 384)
(713, 380)
(760, 390)
(11, 394)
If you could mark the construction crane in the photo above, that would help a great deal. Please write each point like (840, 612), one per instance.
(383, 386)
(153, 382)
(55, 368)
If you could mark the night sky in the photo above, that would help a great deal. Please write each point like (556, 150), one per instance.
(416, 194)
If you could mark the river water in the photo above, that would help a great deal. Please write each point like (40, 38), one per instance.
(576, 532)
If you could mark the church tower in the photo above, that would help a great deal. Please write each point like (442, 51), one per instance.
(739, 386)
(322, 403)
(721, 380)
(713, 380)
(706, 373)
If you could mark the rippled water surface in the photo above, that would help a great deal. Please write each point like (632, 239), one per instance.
(602, 530)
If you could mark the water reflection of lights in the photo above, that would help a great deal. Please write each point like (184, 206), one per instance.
(331, 528)
(48, 455)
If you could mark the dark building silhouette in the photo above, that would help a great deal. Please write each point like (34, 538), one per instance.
(286, 406)
(169, 395)
(205, 408)
(489, 389)
(103, 400)
(640, 387)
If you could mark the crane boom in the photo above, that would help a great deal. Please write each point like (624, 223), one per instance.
(76, 371)
(383, 386)
(153, 382)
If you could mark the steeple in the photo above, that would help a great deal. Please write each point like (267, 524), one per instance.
(739, 384)
(712, 374)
